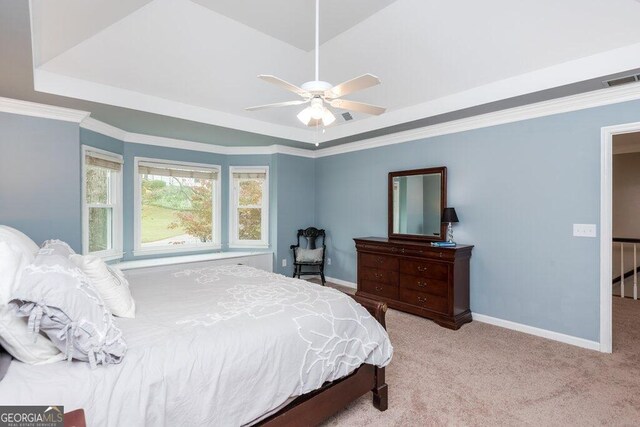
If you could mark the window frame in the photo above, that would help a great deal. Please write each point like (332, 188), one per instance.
(234, 242)
(117, 215)
(216, 243)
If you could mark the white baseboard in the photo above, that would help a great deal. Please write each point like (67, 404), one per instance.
(544, 333)
(341, 282)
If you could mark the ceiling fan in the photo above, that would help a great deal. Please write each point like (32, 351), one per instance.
(317, 93)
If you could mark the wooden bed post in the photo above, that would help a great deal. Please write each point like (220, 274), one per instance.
(380, 391)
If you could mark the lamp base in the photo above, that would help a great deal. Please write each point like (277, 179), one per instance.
(450, 233)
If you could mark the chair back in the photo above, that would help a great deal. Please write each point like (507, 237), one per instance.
(312, 235)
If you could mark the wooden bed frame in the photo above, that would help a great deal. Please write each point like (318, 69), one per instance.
(312, 408)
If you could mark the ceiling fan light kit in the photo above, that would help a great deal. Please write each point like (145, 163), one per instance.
(317, 93)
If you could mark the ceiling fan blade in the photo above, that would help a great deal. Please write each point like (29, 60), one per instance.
(353, 85)
(278, 104)
(360, 107)
(285, 85)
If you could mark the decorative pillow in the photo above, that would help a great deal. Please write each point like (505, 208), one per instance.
(110, 284)
(19, 242)
(57, 247)
(14, 336)
(58, 299)
(309, 255)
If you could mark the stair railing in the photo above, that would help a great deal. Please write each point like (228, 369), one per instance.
(630, 242)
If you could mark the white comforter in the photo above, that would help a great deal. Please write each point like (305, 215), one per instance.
(211, 346)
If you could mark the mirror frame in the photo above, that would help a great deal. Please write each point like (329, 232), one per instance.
(443, 203)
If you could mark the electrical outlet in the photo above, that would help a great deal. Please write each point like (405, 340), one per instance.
(584, 230)
(284, 262)
(328, 261)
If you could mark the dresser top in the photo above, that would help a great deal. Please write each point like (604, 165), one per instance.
(409, 242)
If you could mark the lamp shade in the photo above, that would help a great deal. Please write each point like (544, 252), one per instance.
(449, 215)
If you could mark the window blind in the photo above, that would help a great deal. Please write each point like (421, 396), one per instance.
(160, 169)
(249, 175)
(103, 161)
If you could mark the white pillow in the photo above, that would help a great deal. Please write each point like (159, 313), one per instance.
(19, 239)
(14, 334)
(12, 262)
(110, 283)
(309, 255)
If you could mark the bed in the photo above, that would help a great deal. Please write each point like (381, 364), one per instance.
(223, 345)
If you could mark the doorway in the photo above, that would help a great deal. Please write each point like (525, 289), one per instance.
(620, 148)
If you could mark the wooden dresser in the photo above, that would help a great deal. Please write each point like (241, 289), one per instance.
(416, 277)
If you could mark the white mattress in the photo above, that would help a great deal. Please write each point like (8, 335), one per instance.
(211, 346)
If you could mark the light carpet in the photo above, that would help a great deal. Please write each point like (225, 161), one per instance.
(487, 375)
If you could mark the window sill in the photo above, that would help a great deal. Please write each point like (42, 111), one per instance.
(106, 256)
(251, 246)
(182, 249)
(185, 259)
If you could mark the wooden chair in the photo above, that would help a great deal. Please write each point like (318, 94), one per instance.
(305, 268)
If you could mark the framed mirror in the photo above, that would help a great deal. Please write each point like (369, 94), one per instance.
(416, 200)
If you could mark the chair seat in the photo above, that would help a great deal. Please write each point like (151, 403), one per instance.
(307, 262)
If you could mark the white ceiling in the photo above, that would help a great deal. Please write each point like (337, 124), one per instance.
(293, 22)
(198, 60)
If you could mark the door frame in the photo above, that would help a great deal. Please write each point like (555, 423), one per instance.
(606, 229)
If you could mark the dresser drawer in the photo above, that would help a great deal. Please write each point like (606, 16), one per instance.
(423, 284)
(434, 270)
(387, 277)
(379, 261)
(424, 300)
(380, 289)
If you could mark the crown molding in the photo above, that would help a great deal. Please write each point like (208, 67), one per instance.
(103, 128)
(34, 109)
(583, 101)
(567, 104)
(137, 138)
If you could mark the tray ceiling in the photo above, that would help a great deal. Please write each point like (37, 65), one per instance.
(198, 60)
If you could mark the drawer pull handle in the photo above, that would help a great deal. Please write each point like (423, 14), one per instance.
(378, 288)
(422, 268)
(378, 275)
(422, 284)
(422, 299)
(379, 260)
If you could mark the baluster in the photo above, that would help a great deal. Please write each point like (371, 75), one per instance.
(635, 273)
(621, 270)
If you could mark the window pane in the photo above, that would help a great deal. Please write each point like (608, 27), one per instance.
(176, 211)
(98, 184)
(250, 224)
(250, 192)
(99, 229)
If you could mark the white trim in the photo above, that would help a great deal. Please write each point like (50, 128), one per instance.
(34, 109)
(606, 229)
(187, 259)
(137, 138)
(582, 101)
(117, 225)
(102, 128)
(59, 84)
(341, 282)
(138, 250)
(266, 203)
(544, 333)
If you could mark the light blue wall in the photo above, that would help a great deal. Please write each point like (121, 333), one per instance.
(517, 189)
(296, 204)
(40, 178)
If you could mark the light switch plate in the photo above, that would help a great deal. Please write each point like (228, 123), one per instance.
(284, 262)
(584, 230)
(328, 261)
